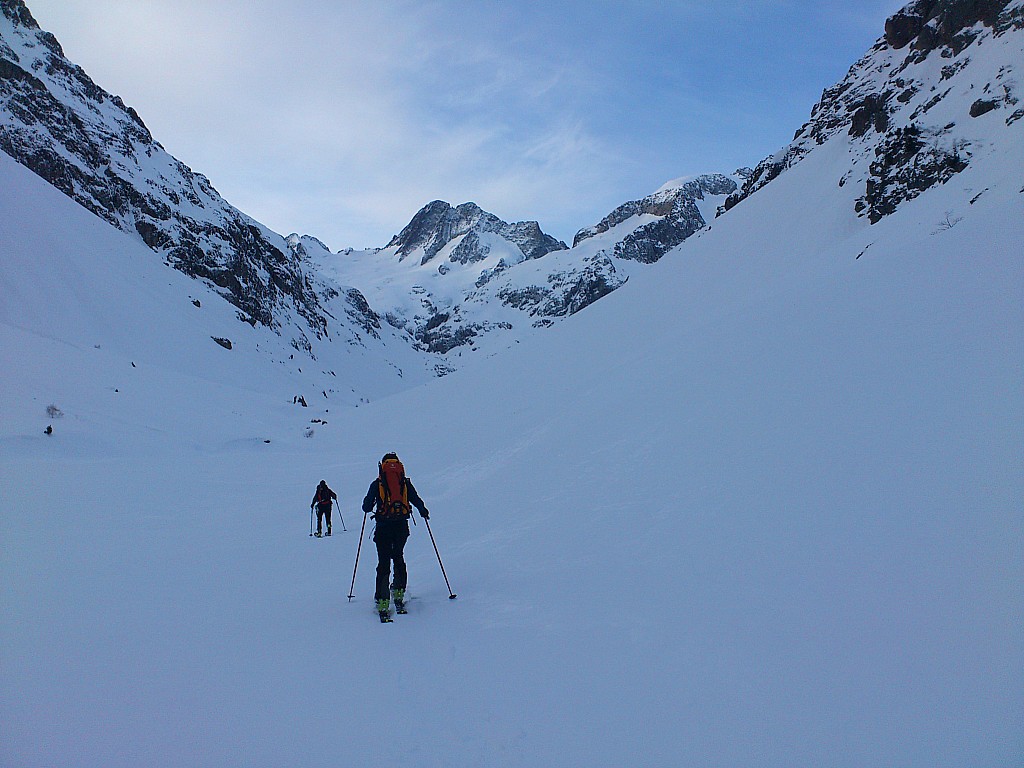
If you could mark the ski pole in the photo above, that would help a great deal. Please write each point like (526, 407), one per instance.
(451, 595)
(342, 520)
(352, 587)
(310, 519)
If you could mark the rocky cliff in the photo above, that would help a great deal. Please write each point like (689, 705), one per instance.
(87, 143)
(908, 107)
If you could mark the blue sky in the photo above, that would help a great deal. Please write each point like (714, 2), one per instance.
(341, 119)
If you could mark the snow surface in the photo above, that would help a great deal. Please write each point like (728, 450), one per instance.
(761, 507)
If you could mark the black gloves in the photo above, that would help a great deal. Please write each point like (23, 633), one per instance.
(425, 514)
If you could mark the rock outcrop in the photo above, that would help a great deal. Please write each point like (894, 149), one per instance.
(437, 224)
(677, 214)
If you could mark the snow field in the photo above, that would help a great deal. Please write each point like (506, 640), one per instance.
(759, 507)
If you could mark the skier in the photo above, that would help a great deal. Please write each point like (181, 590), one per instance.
(322, 501)
(391, 493)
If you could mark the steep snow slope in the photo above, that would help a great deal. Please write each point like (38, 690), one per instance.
(96, 326)
(760, 507)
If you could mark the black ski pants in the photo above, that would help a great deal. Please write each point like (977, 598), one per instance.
(323, 511)
(390, 537)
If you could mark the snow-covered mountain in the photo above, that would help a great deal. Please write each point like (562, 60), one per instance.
(939, 88)
(454, 279)
(758, 506)
(461, 278)
(88, 144)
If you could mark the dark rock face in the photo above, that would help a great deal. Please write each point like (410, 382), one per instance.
(438, 223)
(906, 165)
(870, 113)
(470, 250)
(906, 24)
(358, 311)
(531, 240)
(650, 242)
(677, 204)
(679, 214)
(431, 228)
(441, 336)
(567, 292)
(929, 24)
(983, 106)
(93, 148)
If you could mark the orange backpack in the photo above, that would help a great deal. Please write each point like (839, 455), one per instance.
(394, 496)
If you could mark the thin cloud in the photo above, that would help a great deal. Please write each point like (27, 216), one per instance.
(342, 119)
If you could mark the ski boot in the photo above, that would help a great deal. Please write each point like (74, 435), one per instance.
(383, 610)
(398, 595)
(318, 534)
(328, 530)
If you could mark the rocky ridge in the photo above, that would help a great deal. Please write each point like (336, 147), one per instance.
(87, 143)
(438, 223)
(895, 105)
(678, 217)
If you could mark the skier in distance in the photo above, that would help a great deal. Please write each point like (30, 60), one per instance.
(322, 500)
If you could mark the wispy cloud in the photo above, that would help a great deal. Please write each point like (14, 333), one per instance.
(341, 119)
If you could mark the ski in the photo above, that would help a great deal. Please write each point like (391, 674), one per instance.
(385, 618)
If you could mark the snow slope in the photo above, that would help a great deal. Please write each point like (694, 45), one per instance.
(759, 507)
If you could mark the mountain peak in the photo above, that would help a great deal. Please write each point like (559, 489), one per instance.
(437, 224)
(678, 216)
(18, 12)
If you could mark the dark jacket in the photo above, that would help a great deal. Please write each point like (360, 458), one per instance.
(320, 502)
(372, 498)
